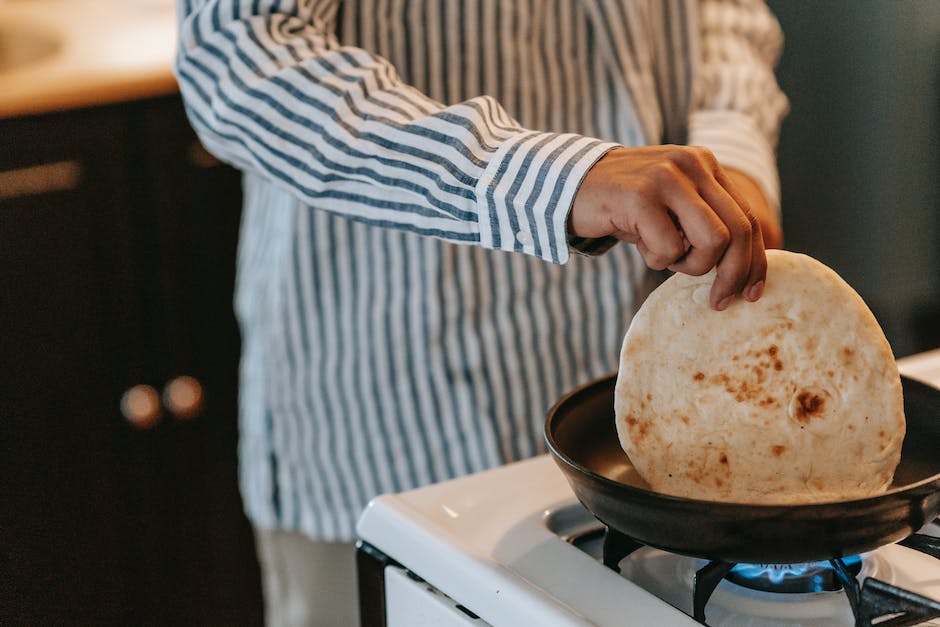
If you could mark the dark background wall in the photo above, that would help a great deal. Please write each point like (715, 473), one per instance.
(859, 157)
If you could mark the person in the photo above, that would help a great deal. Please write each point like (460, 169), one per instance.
(417, 177)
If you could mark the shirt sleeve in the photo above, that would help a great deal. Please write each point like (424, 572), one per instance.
(737, 105)
(268, 88)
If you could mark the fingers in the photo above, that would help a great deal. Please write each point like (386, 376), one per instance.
(678, 230)
(660, 242)
(755, 282)
(734, 266)
(719, 231)
(706, 234)
(742, 266)
(682, 212)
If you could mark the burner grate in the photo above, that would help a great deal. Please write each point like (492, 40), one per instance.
(873, 602)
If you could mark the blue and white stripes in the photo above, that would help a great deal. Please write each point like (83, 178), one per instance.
(376, 358)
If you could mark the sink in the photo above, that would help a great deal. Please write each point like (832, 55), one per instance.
(24, 43)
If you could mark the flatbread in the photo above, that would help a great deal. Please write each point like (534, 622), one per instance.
(793, 399)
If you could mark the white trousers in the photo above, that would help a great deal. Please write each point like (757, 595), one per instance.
(307, 583)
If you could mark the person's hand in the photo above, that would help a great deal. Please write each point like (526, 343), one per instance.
(681, 210)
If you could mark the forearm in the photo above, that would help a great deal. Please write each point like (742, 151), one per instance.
(271, 90)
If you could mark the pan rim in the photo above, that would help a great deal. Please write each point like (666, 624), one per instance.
(729, 507)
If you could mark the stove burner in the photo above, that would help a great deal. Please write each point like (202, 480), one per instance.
(873, 602)
(792, 578)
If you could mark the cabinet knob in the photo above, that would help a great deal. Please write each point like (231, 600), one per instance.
(182, 396)
(141, 406)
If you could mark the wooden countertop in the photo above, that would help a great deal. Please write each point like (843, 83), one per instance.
(96, 52)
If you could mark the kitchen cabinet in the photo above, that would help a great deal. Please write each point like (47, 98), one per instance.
(117, 252)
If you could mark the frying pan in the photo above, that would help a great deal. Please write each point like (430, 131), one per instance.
(582, 438)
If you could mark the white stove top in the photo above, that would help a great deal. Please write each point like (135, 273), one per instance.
(485, 540)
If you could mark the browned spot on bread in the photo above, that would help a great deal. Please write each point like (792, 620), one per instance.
(685, 419)
(723, 459)
(748, 389)
(772, 350)
(808, 405)
(698, 376)
(778, 365)
(846, 353)
(649, 397)
(719, 482)
(639, 428)
(631, 421)
(764, 402)
(830, 374)
(777, 449)
(744, 393)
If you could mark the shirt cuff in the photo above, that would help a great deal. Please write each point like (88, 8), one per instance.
(527, 189)
(737, 143)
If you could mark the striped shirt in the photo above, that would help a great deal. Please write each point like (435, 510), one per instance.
(379, 138)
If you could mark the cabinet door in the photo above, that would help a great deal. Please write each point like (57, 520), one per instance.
(117, 253)
(206, 567)
(67, 317)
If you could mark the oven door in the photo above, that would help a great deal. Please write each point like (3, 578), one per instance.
(411, 602)
(392, 596)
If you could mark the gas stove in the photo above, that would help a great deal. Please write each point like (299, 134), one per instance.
(514, 547)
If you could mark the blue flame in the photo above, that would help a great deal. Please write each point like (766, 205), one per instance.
(777, 573)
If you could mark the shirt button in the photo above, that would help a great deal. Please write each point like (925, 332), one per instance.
(523, 238)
